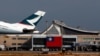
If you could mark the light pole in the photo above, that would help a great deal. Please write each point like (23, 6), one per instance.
(32, 43)
(17, 42)
(61, 28)
(46, 25)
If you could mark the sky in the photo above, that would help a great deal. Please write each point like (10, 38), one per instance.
(83, 13)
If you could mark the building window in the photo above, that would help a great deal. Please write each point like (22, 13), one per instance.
(98, 42)
(69, 41)
(39, 41)
(14, 38)
(13, 43)
(22, 38)
(97, 38)
(88, 38)
(20, 44)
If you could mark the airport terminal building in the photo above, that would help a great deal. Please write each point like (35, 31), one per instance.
(69, 37)
(60, 28)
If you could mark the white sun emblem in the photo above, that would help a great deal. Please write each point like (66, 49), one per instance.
(50, 39)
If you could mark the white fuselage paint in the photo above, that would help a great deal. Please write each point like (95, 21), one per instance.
(13, 28)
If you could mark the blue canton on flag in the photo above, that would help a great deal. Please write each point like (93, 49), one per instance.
(50, 39)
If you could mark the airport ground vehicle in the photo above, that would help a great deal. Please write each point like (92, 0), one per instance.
(2, 47)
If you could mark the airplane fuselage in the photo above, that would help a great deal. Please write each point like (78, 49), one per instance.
(13, 28)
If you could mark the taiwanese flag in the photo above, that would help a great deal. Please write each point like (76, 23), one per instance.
(54, 41)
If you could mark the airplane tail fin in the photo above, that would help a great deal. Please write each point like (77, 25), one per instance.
(34, 18)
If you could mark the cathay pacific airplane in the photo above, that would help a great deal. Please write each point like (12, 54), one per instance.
(25, 26)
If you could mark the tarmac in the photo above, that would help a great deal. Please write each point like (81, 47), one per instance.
(33, 53)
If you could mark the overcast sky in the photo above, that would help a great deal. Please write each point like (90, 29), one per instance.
(83, 13)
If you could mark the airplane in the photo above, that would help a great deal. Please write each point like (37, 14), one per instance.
(25, 26)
